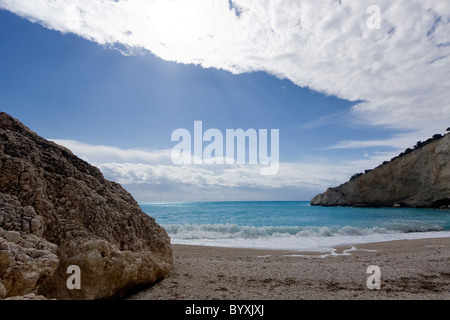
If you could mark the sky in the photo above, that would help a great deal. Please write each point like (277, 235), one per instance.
(111, 80)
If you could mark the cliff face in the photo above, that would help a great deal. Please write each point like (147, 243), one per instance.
(418, 179)
(57, 210)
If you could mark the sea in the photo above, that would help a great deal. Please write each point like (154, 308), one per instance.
(292, 225)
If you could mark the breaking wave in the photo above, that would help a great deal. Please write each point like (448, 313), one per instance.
(233, 231)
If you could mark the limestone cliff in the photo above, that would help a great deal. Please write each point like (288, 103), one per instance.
(417, 178)
(57, 210)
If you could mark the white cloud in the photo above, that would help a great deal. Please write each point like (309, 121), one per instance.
(399, 71)
(142, 170)
(398, 142)
(102, 154)
(324, 120)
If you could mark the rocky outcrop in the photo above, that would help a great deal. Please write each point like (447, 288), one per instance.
(56, 210)
(27, 260)
(418, 178)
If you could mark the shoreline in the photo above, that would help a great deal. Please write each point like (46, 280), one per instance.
(313, 244)
(410, 269)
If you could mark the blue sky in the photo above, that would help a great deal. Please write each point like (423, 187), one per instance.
(115, 102)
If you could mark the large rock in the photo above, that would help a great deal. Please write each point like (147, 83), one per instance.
(419, 178)
(26, 259)
(58, 211)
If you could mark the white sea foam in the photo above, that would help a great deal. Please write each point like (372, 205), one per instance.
(232, 231)
(294, 238)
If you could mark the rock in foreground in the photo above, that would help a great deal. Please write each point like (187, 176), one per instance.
(419, 178)
(57, 210)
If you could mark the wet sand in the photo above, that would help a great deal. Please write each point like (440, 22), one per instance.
(410, 269)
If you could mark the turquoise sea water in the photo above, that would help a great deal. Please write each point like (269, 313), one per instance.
(293, 225)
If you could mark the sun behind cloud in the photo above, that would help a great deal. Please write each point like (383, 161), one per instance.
(399, 72)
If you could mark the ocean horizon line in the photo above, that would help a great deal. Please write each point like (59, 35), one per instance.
(197, 201)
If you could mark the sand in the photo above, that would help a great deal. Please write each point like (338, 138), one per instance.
(410, 269)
